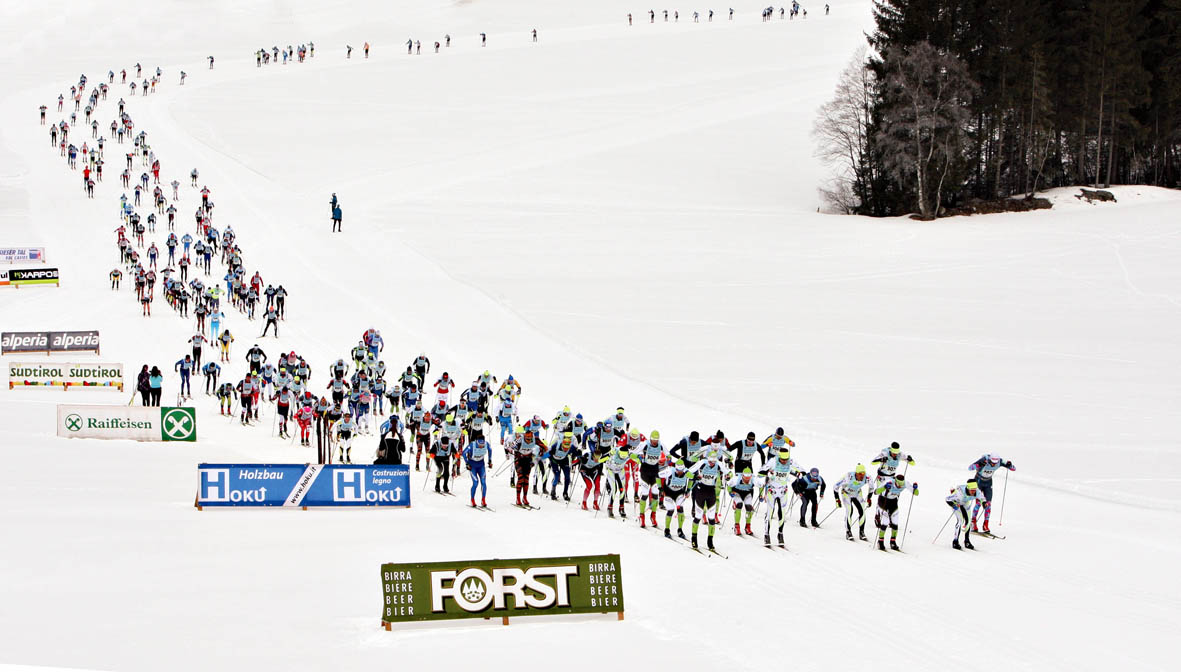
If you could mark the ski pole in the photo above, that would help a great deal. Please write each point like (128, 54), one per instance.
(834, 510)
(1004, 488)
(909, 506)
(428, 471)
(943, 528)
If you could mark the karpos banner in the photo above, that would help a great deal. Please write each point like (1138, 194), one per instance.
(137, 423)
(65, 375)
(28, 276)
(17, 255)
(431, 591)
(49, 341)
(302, 485)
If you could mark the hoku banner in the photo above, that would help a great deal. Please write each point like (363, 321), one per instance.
(28, 276)
(302, 485)
(19, 255)
(65, 375)
(137, 423)
(49, 341)
(501, 588)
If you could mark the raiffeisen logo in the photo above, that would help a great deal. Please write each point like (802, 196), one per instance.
(474, 590)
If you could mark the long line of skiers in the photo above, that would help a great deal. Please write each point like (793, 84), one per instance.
(615, 464)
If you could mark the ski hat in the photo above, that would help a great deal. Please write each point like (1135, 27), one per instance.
(785, 454)
(567, 437)
(719, 435)
(994, 458)
(578, 417)
(971, 484)
(347, 414)
(694, 436)
(778, 431)
(655, 435)
(895, 448)
(607, 424)
(635, 434)
(711, 458)
(528, 433)
(814, 472)
(860, 470)
(680, 464)
(445, 440)
(750, 436)
(900, 479)
(746, 473)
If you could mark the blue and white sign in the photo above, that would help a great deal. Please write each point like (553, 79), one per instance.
(302, 485)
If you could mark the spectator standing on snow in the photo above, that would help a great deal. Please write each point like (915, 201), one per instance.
(336, 217)
(156, 383)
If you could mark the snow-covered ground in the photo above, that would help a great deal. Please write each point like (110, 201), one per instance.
(614, 215)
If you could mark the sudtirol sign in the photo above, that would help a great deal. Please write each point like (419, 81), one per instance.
(501, 588)
(137, 423)
(49, 341)
(65, 375)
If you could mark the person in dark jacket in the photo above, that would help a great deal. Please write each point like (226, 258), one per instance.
(336, 217)
(390, 449)
(144, 387)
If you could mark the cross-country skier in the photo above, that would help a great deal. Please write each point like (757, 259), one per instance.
(961, 496)
(478, 458)
(742, 495)
(675, 482)
(707, 473)
(887, 515)
(651, 456)
(778, 475)
(211, 370)
(810, 488)
(344, 431)
(985, 467)
(888, 461)
(225, 398)
(185, 366)
(851, 486)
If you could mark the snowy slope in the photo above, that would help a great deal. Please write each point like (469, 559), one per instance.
(615, 216)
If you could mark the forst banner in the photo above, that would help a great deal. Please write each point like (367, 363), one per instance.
(431, 591)
(29, 276)
(65, 375)
(17, 255)
(302, 485)
(49, 341)
(137, 423)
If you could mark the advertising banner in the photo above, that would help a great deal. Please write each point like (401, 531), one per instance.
(431, 591)
(19, 255)
(49, 341)
(67, 375)
(138, 423)
(28, 276)
(302, 485)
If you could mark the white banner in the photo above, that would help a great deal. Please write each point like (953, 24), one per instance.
(139, 423)
(20, 255)
(65, 375)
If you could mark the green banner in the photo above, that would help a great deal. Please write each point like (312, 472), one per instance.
(178, 424)
(431, 591)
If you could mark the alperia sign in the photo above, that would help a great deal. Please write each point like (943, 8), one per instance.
(501, 588)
